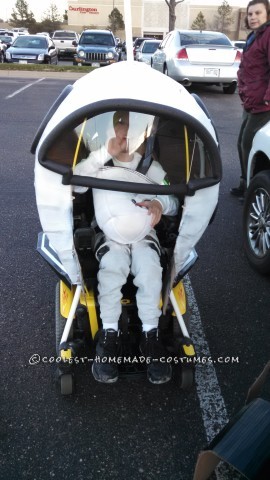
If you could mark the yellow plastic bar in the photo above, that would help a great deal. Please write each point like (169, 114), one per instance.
(66, 297)
(187, 154)
(79, 144)
(66, 354)
(180, 297)
(189, 350)
(88, 299)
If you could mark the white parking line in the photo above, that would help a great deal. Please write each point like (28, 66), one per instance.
(23, 88)
(213, 409)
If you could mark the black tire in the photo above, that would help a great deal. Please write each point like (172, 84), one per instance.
(66, 384)
(187, 378)
(2, 57)
(60, 321)
(165, 70)
(230, 89)
(256, 222)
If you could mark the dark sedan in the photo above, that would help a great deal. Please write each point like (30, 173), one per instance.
(32, 49)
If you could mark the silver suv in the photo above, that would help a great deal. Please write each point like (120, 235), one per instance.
(97, 48)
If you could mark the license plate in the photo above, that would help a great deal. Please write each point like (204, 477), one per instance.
(95, 64)
(23, 61)
(211, 72)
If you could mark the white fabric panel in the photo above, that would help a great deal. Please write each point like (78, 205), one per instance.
(54, 203)
(137, 81)
(197, 212)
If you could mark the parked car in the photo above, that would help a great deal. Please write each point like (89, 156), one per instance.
(9, 33)
(97, 48)
(2, 52)
(146, 50)
(20, 31)
(193, 56)
(256, 213)
(32, 49)
(63, 40)
(6, 40)
(239, 44)
(137, 43)
(45, 34)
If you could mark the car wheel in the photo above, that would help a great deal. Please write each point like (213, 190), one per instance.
(165, 70)
(256, 222)
(230, 88)
(2, 57)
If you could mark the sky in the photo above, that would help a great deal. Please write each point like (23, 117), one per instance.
(38, 7)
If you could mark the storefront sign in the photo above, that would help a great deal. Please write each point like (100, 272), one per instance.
(90, 10)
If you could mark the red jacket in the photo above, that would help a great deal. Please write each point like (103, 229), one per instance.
(254, 72)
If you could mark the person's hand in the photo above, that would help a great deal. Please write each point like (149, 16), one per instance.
(154, 208)
(117, 146)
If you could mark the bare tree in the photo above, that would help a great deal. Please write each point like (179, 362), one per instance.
(172, 17)
(51, 19)
(21, 16)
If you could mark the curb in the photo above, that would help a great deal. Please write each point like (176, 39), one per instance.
(33, 74)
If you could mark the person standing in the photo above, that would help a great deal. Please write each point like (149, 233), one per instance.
(253, 84)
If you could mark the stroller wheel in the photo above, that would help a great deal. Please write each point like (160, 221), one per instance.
(66, 384)
(187, 378)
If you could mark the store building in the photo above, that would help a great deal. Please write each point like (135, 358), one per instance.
(151, 17)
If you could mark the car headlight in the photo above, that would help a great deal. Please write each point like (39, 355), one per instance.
(110, 55)
(41, 57)
(8, 56)
(81, 53)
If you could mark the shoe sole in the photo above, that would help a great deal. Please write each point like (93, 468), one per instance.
(237, 194)
(159, 382)
(162, 380)
(98, 379)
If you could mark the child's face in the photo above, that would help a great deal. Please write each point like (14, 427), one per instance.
(121, 127)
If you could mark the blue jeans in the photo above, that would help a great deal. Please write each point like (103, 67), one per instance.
(252, 122)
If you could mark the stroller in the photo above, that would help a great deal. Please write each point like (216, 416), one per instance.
(178, 132)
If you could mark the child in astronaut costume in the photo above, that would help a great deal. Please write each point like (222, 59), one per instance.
(131, 246)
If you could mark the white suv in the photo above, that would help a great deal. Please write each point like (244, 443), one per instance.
(256, 216)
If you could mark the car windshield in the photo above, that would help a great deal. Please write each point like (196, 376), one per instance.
(200, 38)
(145, 139)
(30, 42)
(150, 47)
(5, 39)
(64, 35)
(96, 39)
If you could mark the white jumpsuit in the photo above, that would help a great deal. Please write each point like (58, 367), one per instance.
(138, 258)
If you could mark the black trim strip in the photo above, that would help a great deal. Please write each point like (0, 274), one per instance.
(91, 110)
